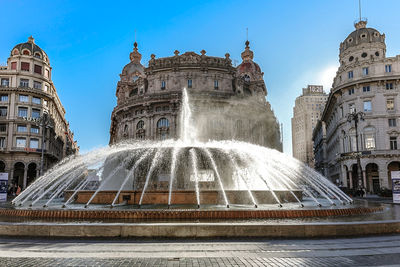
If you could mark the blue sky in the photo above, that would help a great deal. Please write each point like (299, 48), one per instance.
(295, 42)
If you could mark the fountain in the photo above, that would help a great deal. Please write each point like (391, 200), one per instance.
(181, 173)
(184, 179)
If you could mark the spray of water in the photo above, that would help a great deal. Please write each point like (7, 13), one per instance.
(226, 166)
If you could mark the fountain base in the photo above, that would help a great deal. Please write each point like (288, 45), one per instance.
(185, 197)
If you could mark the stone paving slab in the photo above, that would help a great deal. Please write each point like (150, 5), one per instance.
(386, 259)
(362, 251)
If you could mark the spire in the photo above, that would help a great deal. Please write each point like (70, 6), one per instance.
(135, 56)
(362, 22)
(31, 40)
(247, 54)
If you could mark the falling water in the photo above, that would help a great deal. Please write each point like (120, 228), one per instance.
(196, 174)
(255, 168)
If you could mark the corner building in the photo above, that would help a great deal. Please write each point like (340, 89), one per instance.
(306, 113)
(26, 92)
(367, 81)
(227, 102)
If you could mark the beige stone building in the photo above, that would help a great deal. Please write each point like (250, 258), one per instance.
(228, 102)
(306, 113)
(26, 93)
(367, 81)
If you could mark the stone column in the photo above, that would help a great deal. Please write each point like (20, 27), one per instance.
(11, 175)
(351, 179)
(364, 173)
(25, 178)
(37, 172)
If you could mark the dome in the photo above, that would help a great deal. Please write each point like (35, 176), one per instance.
(362, 35)
(248, 68)
(134, 68)
(33, 49)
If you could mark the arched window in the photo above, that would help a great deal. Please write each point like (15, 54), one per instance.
(26, 52)
(162, 85)
(246, 78)
(140, 131)
(133, 92)
(37, 55)
(140, 125)
(369, 138)
(163, 128)
(126, 130)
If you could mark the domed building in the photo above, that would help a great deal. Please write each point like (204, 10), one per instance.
(227, 102)
(27, 98)
(368, 82)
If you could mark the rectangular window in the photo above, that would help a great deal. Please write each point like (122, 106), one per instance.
(47, 73)
(22, 129)
(34, 129)
(350, 74)
(2, 142)
(13, 65)
(369, 141)
(352, 108)
(389, 86)
(367, 106)
(22, 112)
(388, 68)
(393, 143)
(189, 83)
(34, 143)
(162, 85)
(21, 142)
(216, 84)
(3, 128)
(390, 104)
(25, 66)
(23, 98)
(366, 89)
(35, 113)
(4, 98)
(38, 69)
(36, 100)
(24, 82)
(365, 71)
(392, 122)
(37, 85)
(3, 111)
(351, 91)
(5, 82)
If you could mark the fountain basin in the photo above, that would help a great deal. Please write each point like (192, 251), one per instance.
(183, 197)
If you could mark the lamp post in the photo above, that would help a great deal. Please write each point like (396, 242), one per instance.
(357, 117)
(45, 123)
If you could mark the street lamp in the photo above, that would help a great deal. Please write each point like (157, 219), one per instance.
(356, 117)
(44, 122)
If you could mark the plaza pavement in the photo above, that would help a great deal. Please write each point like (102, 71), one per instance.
(361, 251)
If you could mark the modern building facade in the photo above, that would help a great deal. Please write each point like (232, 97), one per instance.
(26, 94)
(306, 113)
(369, 82)
(227, 102)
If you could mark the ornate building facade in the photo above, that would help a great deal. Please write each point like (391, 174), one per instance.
(306, 113)
(26, 94)
(227, 102)
(367, 81)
